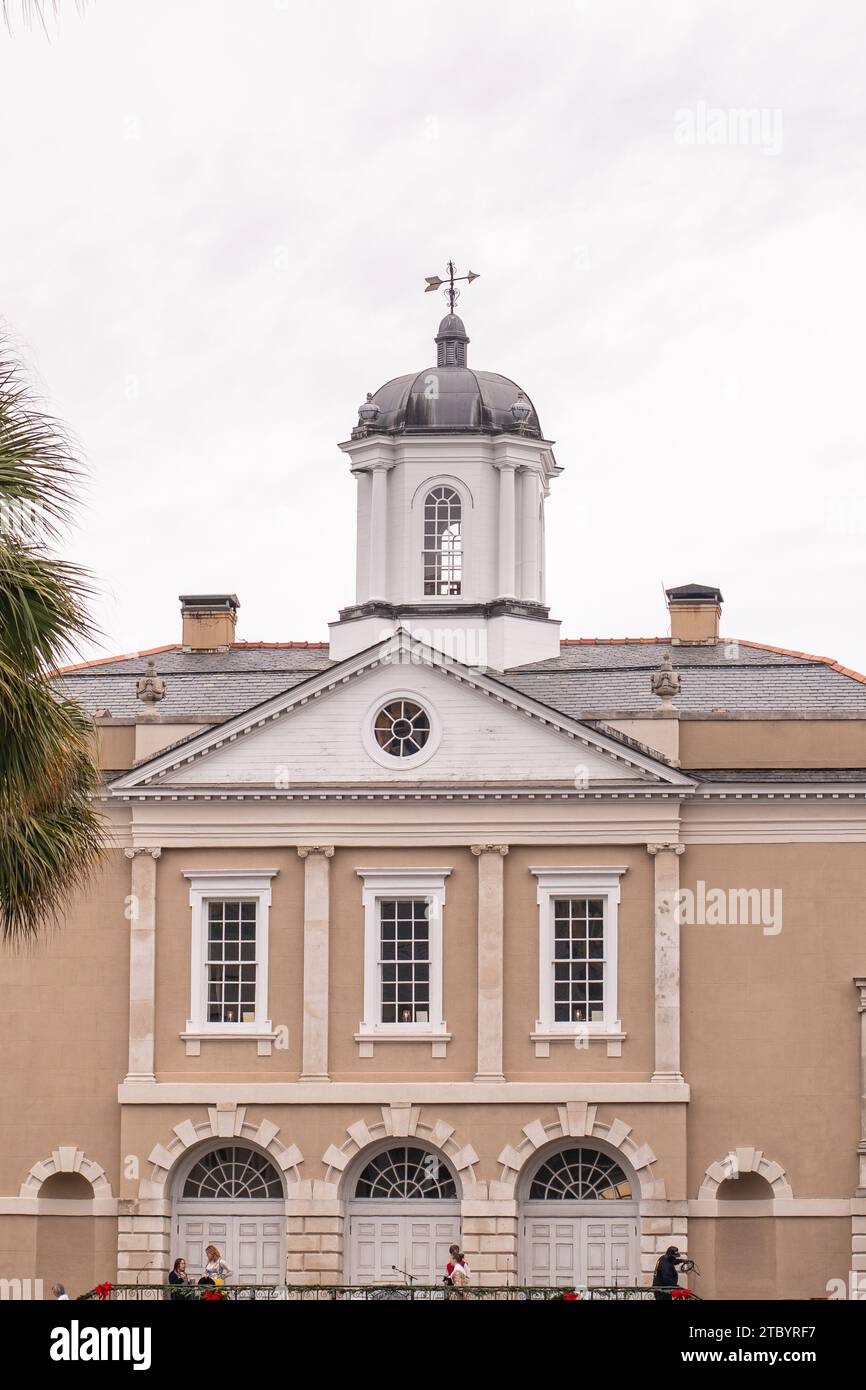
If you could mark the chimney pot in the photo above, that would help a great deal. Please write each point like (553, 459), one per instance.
(209, 621)
(695, 610)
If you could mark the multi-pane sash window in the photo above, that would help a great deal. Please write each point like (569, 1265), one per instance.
(578, 910)
(443, 542)
(404, 960)
(403, 957)
(578, 960)
(229, 957)
(231, 961)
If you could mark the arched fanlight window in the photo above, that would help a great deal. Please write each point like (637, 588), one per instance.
(579, 1175)
(231, 1172)
(443, 542)
(406, 1172)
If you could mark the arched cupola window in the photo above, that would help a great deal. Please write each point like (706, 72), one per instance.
(443, 542)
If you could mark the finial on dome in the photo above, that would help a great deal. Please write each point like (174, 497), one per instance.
(521, 410)
(368, 411)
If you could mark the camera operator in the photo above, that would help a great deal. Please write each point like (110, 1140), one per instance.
(666, 1275)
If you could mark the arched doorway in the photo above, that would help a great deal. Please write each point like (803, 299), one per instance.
(579, 1219)
(404, 1212)
(232, 1197)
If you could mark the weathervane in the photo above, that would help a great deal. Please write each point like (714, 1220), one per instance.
(452, 295)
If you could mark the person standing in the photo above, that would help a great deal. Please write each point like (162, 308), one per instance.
(666, 1275)
(59, 1292)
(455, 1256)
(216, 1268)
(459, 1277)
(178, 1277)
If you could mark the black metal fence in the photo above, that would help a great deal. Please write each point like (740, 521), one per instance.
(372, 1293)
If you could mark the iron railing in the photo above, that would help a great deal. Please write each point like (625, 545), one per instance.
(369, 1293)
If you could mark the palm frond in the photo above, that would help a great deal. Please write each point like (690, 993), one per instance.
(51, 835)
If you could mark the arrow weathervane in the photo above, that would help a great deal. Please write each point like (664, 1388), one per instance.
(452, 295)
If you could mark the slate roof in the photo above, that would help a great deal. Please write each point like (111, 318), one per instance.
(591, 678)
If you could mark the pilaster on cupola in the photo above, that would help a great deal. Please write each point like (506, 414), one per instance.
(453, 473)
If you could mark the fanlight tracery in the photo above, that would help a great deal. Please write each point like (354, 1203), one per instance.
(231, 1172)
(578, 1175)
(406, 1172)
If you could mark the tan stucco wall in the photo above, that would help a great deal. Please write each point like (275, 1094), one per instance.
(115, 746)
(763, 1257)
(64, 1032)
(770, 1024)
(772, 743)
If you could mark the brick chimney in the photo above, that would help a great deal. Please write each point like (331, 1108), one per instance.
(695, 610)
(209, 621)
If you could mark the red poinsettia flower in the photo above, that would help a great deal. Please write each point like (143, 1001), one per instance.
(103, 1290)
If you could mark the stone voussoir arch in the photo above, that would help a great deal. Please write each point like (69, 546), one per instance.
(578, 1121)
(225, 1120)
(400, 1122)
(67, 1158)
(745, 1160)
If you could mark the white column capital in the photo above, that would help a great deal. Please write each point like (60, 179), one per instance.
(489, 849)
(305, 850)
(131, 853)
(670, 848)
(860, 984)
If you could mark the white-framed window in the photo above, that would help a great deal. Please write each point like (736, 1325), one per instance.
(443, 542)
(229, 956)
(577, 955)
(403, 950)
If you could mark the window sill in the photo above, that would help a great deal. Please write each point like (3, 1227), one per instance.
(580, 1036)
(262, 1034)
(438, 1038)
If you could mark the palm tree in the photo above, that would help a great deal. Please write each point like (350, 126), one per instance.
(50, 832)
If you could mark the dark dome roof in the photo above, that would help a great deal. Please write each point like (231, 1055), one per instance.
(451, 398)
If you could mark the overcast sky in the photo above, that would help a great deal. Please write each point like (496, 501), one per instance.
(216, 222)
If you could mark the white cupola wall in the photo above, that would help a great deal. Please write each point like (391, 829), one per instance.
(452, 475)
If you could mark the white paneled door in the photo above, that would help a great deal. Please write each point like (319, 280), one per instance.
(252, 1242)
(560, 1249)
(414, 1241)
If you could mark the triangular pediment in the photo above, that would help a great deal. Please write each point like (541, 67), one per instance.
(322, 733)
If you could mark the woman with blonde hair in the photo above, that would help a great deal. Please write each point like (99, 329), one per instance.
(216, 1270)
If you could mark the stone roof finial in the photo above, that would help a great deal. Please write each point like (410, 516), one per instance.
(150, 687)
(666, 682)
